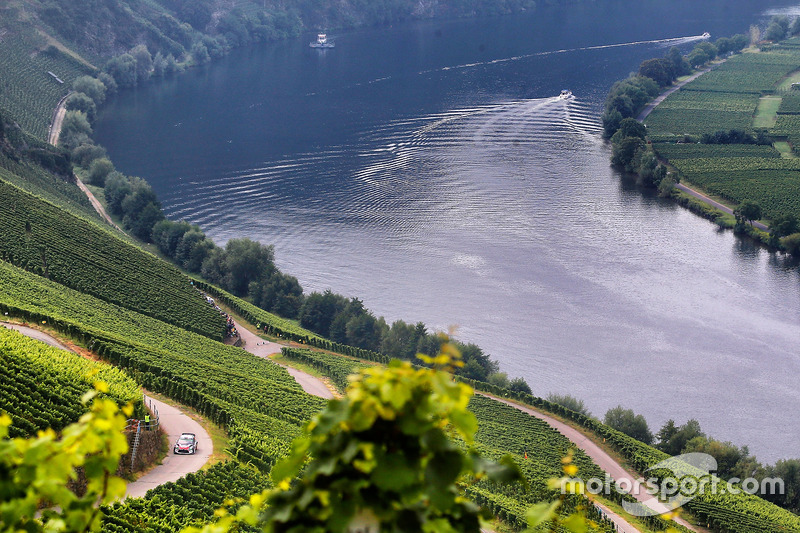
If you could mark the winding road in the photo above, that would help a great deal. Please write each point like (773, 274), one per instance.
(605, 462)
(172, 420)
(261, 348)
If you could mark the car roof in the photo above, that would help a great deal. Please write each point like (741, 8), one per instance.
(184, 435)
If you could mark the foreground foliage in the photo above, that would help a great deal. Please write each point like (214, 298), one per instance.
(34, 472)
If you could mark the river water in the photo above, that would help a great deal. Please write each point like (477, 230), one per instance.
(429, 169)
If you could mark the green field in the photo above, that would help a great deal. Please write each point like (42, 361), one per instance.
(748, 73)
(767, 112)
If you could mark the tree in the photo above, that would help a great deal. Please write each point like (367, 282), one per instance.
(520, 385)
(748, 211)
(570, 402)
(92, 87)
(680, 65)
(775, 32)
(99, 170)
(794, 29)
(78, 101)
(167, 235)
(159, 65)
(623, 153)
(499, 379)
(732, 461)
(200, 53)
(84, 154)
(626, 421)
(660, 70)
(118, 187)
(698, 57)
(123, 69)
(673, 440)
(246, 261)
(319, 310)
(75, 130)
(629, 127)
(792, 244)
(144, 62)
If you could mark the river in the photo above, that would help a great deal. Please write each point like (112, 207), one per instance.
(429, 169)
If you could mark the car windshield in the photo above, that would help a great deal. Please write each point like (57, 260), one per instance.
(185, 440)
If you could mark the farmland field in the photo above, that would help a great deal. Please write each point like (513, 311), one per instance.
(748, 73)
(695, 113)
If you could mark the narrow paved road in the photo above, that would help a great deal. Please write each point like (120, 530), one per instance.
(261, 348)
(714, 203)
(38, 335)
(660, 98)
(172, 420)
(601, 459)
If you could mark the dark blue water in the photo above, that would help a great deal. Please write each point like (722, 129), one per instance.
(429, 169)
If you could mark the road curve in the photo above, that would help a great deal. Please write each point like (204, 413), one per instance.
(172, 420)
(601, 459)
(38, 335)
(261, 348)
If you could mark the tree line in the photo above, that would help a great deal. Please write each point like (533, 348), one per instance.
(732, 461)
(244, 267)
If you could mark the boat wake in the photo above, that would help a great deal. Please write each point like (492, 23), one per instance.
(674, 41)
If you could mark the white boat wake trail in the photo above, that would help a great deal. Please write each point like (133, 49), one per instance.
(671, 41)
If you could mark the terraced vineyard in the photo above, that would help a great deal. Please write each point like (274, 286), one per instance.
(27, 90)
(191, 500)
(335, 367)
(257, 400)
(43, 239)
(41, 386)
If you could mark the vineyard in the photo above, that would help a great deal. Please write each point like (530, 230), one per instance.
(335, 367)
(41, 183)
(725, 99)
(191, 500)
(773, 182)
(748, 73)
(790, 104)
(45, 240)
(261, 405)
(41, 386)
(675, 151)
(694, 113)
(27, 90)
